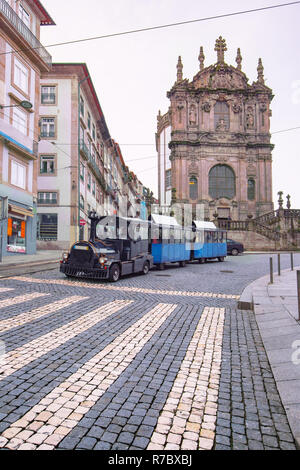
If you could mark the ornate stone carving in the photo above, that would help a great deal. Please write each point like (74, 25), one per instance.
(220, 48)
(221, 126)
(193, 115)
(250, 117)
(206, 107)
(236, 108)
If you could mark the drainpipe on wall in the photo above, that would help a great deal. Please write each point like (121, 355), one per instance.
(79, 85)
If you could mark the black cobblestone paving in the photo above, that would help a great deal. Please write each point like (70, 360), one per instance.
(250, 414)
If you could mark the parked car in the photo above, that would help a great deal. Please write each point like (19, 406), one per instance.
(234, 248)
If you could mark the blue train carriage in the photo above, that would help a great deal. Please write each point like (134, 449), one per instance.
(209, 242)
(117, 246)
(170, 242)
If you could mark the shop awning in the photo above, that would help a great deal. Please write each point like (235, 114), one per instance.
(20, 210)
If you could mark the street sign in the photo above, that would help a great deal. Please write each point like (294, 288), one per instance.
(82, 222)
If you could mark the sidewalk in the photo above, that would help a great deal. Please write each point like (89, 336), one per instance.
(276, 310)
(42, 260)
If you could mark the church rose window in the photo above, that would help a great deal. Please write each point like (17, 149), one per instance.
(221, 115)
(221, 182)
(251, 189)
(193, 183)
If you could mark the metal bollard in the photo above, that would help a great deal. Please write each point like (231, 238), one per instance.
(271, 270)
(292, 261)
(278, 256)
(298, 292)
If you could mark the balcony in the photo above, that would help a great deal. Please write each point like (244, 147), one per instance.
(24, 31)
(85, 151)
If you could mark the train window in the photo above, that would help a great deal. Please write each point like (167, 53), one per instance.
(166, 233)
(155, 237)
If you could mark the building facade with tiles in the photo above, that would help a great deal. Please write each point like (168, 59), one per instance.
(214, 144)
(22, 60)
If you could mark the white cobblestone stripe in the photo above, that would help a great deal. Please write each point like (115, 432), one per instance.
(129, 289)
(60, 411)
(20, 299)
(37, 313)
(22, 356)
(5, 289)
(188, 419)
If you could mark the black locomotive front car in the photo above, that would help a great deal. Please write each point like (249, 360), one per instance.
(115, 248)
(89, 260)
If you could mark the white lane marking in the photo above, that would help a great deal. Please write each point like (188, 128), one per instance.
(187, 421)
(129, 289)
(37, 313)
(61, 410)
(22, 356)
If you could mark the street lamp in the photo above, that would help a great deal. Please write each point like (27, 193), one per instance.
(24, 104)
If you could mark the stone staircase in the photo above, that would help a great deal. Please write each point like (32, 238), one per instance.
(281, 226)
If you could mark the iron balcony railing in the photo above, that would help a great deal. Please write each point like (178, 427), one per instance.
(24, 31)
(84, 148)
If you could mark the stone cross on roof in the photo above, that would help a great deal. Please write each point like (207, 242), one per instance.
(220, 47)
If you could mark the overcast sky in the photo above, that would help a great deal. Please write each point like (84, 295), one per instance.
(133, 73)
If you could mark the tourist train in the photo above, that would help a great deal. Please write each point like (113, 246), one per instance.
(121, 245)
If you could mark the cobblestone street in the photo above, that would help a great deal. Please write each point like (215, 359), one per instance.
(162, 362)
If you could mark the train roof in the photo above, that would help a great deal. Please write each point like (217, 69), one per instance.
(202, 224)
(164, 220)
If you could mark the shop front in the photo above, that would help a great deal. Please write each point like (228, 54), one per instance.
(19, 230)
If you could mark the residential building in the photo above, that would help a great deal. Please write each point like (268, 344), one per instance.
(22, 60)
(214, 144)
(74, 151)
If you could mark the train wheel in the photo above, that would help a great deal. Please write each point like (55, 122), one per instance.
(201, 260)
(114, 273)
(146, 268)
(221, 258)
(182, 264)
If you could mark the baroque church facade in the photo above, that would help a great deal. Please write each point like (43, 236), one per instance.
(214, 144)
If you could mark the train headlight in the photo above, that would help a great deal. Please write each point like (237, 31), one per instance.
(102, 260)
(65, 256)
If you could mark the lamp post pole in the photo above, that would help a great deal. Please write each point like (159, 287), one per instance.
(79, 112)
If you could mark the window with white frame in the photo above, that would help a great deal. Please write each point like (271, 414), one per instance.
(93, 187)
(48, 127)
(21, 76)
(89, 181)
(89, 120)
(48, 94)
(18, 174)
(82, 171)
(47, 197)
(168, 179)
(20, 120)
(24, 15)
(47, 164)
